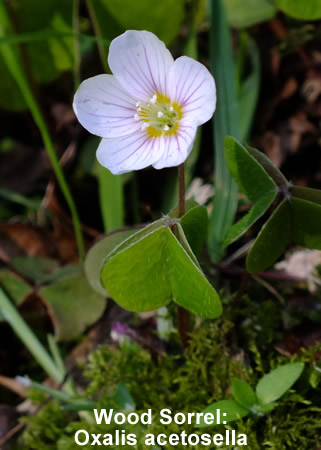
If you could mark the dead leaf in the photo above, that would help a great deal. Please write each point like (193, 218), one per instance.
(17, 239)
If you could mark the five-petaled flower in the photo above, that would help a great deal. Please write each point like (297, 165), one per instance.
(148, 111)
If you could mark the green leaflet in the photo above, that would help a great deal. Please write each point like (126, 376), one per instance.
(153, 267)
(243, 393)
(272, 239)
(253, 181)
(273, 385)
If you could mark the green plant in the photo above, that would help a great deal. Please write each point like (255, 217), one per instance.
(247, 402)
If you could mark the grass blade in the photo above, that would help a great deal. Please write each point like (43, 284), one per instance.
(26, 335)
(111, 198)
(226, 122)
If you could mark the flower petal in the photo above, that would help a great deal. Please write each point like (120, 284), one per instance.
(192, 86)
(177, 146)
(127, 153)
(140, 62)
(104, 108)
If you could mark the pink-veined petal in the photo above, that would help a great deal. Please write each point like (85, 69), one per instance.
(177, 146)
(127, 153)
(192, 86)
(140, 62)
(104, 108)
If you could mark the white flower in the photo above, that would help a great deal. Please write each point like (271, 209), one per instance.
(148, 111)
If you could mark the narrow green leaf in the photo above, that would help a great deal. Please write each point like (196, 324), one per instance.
(43, 35)
(231, 408)
(272, 239)
(245, 13)
(97, 255)
(273, 385)
(243, 393)
(306, 223)
(226, 122)
(309, 10)
(25, 333)
(249, 90)
(15, 197)
(111, 199)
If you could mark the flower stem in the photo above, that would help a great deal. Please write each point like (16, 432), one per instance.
(26, 335)
(183, 315)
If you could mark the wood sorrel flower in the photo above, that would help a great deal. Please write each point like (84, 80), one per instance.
(148, 111)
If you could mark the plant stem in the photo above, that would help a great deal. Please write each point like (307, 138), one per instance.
(13, 62)
(26, 335)
(183, 314)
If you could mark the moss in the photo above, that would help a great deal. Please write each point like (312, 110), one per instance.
(199, 377)
(45, 428)
(188, 383)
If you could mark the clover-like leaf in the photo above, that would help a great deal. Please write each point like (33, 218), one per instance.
(273, 385)
(97, 255)
(194, 224)
(306, 223)
(272, 239)
(153, 267)
(72, 305)
(276, 175)
(305, 193)
(253, 181)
